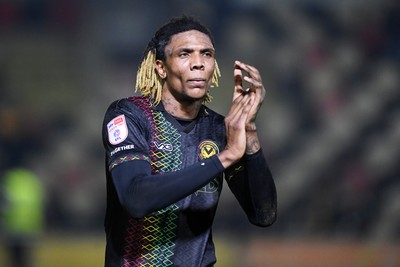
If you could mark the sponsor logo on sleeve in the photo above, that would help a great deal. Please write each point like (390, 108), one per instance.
(117, 130)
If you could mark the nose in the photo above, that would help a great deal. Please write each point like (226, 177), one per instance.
(197, 63)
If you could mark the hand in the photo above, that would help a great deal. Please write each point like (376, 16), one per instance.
(256, 89)
(235, 122)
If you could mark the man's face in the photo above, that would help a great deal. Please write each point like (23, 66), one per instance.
(189, 65)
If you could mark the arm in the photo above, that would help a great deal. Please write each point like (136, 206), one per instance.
(257, 91)
(250, 180)
(252, 183)
(141, 193)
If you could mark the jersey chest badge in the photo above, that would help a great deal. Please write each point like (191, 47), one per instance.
(207, 149)
(117, 130)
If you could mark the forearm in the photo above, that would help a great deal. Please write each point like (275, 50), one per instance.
(142, 193)
(251, 182)
(252, 142)
(227, 159)
(262, 190)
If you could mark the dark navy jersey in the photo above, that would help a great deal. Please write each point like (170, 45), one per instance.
(164, 181)
(179, 234)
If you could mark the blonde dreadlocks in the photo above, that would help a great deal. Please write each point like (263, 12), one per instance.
(148, 82)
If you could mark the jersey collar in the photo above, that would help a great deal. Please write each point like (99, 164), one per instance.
(202, 112)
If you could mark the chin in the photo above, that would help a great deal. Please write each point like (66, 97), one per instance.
(199, 97)
(193, 98)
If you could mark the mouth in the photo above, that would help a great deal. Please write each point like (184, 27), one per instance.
(198, 82)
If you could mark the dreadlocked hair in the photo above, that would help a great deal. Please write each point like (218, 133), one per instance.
(214, 83)
(148, 82)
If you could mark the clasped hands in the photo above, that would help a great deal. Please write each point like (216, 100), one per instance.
(241, 130)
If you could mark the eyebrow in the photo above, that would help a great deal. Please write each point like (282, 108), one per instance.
(188, 49)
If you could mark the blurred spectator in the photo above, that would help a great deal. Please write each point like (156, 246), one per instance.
(21, 215)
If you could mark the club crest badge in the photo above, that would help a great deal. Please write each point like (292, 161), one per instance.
(207, 149)
(117, 130)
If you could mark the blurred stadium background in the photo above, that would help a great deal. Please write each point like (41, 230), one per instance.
(330, 122)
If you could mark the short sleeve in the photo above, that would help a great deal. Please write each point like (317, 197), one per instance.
(125, 134)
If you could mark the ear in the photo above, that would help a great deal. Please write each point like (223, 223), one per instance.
(160, 68)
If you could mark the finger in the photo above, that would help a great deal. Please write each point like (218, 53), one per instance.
(246, 107)
(251, 70)
(238, 81)
(254, 84)
(238, 76)
(246, 67)
(243, 113)
(237, 107)
(243, 109)
(249, 103)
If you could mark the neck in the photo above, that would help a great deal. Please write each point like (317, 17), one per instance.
(183, 110)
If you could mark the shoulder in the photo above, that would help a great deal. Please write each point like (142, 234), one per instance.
(130, 107)
(127, 106)
(124, 118)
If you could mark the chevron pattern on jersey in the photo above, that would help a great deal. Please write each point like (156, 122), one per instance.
(159, 236)
(150, 241)
(165, 133)
(128, 157)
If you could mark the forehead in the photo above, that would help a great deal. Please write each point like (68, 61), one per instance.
(192, 39)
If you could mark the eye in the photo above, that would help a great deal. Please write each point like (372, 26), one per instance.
(184, 54)
(208, 54)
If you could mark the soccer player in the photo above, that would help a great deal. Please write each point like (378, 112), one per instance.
(166, 154)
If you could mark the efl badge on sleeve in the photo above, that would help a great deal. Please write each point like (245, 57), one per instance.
(117, 130)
